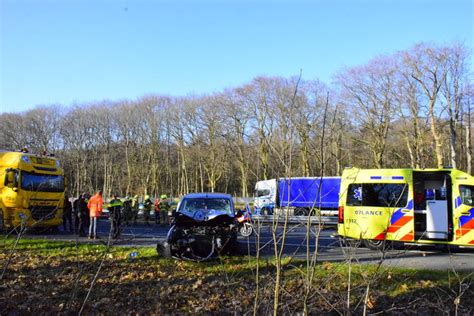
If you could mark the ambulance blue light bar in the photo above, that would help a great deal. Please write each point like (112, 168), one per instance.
(386, 177)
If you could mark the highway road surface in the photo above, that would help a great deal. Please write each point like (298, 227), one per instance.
(329, 247)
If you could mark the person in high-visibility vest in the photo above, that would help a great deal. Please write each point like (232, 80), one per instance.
(147, 208)
(95, 210)
(164, 207)
(115, 208)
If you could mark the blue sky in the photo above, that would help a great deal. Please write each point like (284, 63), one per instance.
(66, 52)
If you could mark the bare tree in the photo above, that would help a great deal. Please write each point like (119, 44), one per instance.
(256, 95)
(427, 64)
(368, 93)
(212, 122)
(236, 119)
(14, 133)
(412, 124)
(454, 90)
(468, 125)
(308, 104)
(42, 125)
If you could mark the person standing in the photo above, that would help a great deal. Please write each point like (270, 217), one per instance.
(157, 210)
(164, 208)
(115, 208)
(82, 215)
(147, 208)
(95, 210)
(127, 210)
(67, 215)
(75, 214)
(135, 209)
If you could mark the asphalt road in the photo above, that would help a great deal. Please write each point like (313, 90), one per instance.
(329, 246)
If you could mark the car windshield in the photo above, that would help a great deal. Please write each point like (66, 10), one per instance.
(206, 204)
(42, 182)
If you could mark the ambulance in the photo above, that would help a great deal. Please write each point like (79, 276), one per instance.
(426, 206)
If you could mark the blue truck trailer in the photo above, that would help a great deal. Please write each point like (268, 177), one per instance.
(300, 196)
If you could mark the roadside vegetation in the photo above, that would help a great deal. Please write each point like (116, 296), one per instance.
(54, 277)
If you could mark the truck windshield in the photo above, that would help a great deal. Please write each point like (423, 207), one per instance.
(206, 204)
(42, 182)
(260, 193)
(467, 192)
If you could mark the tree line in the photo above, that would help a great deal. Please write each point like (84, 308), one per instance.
(411, 108)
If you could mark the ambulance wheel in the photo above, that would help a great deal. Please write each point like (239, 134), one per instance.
(301, 211)
(374, 244)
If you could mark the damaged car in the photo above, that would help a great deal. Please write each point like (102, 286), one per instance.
(204, 226)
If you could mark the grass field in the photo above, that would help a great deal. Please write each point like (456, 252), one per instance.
(55, 277)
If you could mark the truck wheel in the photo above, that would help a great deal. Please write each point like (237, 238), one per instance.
(300, 211)
(267, 211)
(2, 221)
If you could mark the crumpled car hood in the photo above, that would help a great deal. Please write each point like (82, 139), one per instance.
(204, 217)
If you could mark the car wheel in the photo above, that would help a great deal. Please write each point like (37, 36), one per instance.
(163, 250)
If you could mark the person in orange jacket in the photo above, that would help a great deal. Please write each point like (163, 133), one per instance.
(95, 210)
(157, 210)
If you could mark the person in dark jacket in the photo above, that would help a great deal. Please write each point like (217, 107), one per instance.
(67, 215)
(127, 210)
(75, 214)
(135, 205)
(147, 204)
(115, 209)
(83, 215)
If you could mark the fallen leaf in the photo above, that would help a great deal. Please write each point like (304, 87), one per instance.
(197, 284)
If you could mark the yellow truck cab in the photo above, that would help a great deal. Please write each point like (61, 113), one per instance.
(429, 206)
(31, 190)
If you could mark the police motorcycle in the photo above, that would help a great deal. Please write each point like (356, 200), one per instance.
(244, 219)
(204, 226)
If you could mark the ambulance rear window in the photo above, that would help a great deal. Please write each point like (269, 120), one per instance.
(467, 194)
(377, 194)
